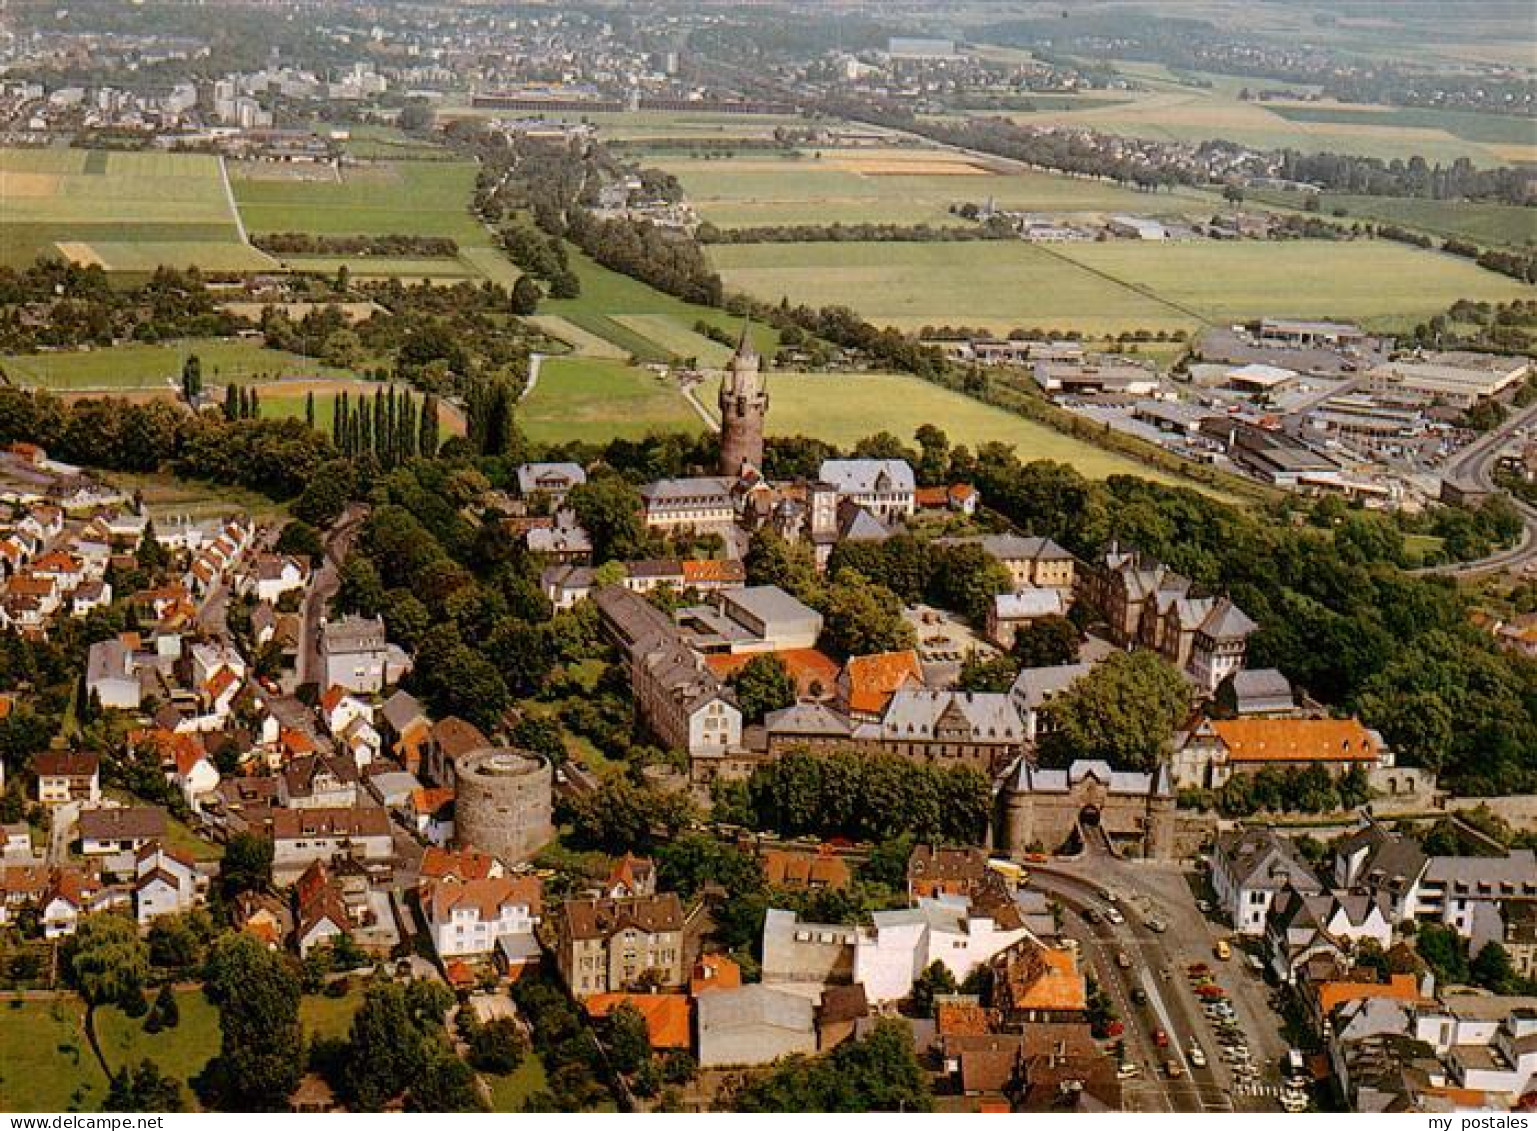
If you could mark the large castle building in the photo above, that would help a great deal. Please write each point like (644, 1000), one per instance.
(743, 410)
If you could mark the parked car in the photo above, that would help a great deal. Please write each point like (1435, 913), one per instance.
(1123, 960)
(1128, 1071)
(1173, 1069)
(1197, 1056)
(1115, 916)
(1160, 1038)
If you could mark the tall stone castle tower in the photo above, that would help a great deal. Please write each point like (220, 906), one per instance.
(743, 409)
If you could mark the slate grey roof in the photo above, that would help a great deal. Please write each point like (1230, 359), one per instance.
(1261, 858)
(868, 476)
(855, 524)
(682, 490)
(1028, 779)
(809, 719)
(1014, 547)
(1486, 875)
(1228, 622)
(352, 634)
(557, 477)
(1262, 689)
(916, 713)
(400, 709)
(770, 605)
(1034, 686)
(1028, 603)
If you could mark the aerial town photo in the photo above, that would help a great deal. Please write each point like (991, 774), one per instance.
(761, 556)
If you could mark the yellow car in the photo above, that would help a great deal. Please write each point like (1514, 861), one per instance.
(1223, 950)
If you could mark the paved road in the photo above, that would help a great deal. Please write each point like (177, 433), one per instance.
(323, 587)
(1474, 467)
(1159, 961)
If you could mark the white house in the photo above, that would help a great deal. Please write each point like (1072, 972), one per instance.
(166, 882)
(276, 574)
(884, 487)
(889, 956)
(112, 675)
(1250, 869)
(471, 917)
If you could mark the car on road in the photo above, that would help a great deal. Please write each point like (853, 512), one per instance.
(1223, 950)
(1160, 1038)
(1197, 1056)
(1115, 917)
(1107, 895)
(1128, 1071)
(1173, 1069)
(1123, 960)
(1138, 995)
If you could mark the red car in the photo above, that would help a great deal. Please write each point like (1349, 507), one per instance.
(1210, 990)
(1160, 1038)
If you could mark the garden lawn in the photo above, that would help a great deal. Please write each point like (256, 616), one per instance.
(45, 1062)
(510, 1091)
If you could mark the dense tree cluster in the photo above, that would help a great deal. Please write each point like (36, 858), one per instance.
(393, 431)
(388, 246)
(865, 797)
(54, 303)
(877, 1072)
(1336, 613)
(275, 457)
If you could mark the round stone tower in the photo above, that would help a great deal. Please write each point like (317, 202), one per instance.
(743, 409)
(503, 802)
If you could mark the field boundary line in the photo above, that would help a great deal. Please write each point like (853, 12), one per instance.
(1135, 288)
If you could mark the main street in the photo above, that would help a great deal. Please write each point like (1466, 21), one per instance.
(1146, 890)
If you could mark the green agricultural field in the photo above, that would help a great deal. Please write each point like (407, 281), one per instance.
(583, 343)
(1001, 285)
(1499, 129)
(126, 211)
(1509, 225)
(854, 187)
(1390, 285)
(1175, 110)
(844, 408)
(593, 400)
(159, 366)
(424, 198)
(1105, 288)
(685, 343)
(607, 295)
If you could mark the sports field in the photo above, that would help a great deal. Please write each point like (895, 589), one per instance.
(595, 400)
(159, 366)
(1110, 287)
(124, 211)
(844, 408)
(896, 186)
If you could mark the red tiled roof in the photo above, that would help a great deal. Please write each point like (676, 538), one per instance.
(872, 680)
(667, 1015)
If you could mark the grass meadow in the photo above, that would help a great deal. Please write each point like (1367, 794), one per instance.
(159, 366)
(597, 400)
(860, 187)
(1107, 287)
